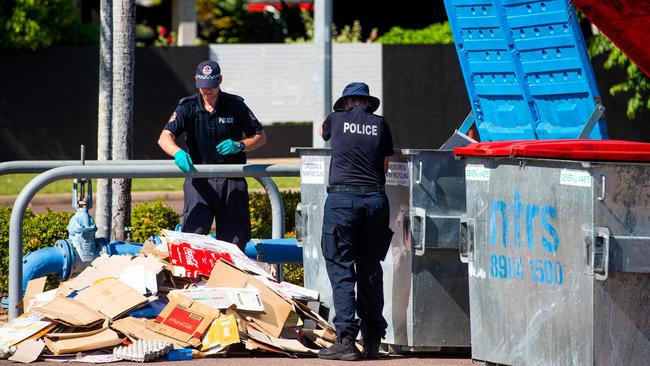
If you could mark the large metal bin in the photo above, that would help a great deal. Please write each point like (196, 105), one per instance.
(425, 285)
(558, 254)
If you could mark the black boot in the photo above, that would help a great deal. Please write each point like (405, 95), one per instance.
(342, 349)
(371, 349)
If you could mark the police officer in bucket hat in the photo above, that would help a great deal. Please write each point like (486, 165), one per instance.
(219, 129)
(356, 235)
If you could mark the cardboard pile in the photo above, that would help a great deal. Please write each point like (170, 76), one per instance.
(200, 294)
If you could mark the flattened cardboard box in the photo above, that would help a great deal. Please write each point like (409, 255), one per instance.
(34, 287)
(28, 351)
(94, 340)
(111, 297)
(310, 314)
(246, 299)
(192, 262)
(23, 327)
(69, 311)
(290, 345)
(135, 329)
(109, 266)
(276, 308)
(184, 319)
(222, 332)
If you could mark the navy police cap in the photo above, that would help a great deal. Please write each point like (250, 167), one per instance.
(208, 74)
(360, 90)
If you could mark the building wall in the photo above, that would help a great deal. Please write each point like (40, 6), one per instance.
(48, 100)
(277, 80)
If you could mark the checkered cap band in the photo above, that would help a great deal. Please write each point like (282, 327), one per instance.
(207, 77)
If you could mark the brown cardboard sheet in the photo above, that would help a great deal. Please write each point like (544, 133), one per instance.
(276, 308)
(70, 312)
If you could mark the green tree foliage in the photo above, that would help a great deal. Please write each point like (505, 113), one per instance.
(636, 85)
(229, 21)
(437, 33)
(351, 34)
(37, 24)
(347, 34)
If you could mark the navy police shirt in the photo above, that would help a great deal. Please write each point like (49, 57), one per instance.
(231, 119)
(360, 142)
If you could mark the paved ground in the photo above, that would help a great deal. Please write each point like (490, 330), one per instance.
(62, 201)
(434, 360)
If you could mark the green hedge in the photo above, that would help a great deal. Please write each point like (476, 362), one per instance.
(39, 231)
(260, 208)
(148, 218)
(437, 33)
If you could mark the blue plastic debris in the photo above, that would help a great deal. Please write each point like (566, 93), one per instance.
(151, 310)
(181, 354)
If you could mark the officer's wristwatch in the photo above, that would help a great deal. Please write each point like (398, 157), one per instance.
(242, 146)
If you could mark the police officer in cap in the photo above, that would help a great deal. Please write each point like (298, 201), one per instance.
(219, 129)
(356, 235)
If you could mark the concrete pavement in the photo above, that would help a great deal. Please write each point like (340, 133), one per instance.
(431, 359)
(63, 201)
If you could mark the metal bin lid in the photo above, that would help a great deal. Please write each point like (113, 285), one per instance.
(589, 150)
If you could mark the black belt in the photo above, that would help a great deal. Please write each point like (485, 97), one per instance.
(354, 189)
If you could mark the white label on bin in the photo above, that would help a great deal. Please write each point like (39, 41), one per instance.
(398, 174)
(477, 172)
(312, 172)
(576, 178)
(476, 272)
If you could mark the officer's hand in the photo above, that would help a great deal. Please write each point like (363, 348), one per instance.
(228, 147)
(183, 160)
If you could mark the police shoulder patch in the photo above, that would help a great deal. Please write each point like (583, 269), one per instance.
(186, 99)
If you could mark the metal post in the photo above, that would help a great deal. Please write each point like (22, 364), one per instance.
(277, 226)
(104, 116)
(122, 127)
(323, 53)
(277, 206)
(125, 171)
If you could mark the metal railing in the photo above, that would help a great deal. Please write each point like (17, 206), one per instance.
(117, 169)
(40, 166)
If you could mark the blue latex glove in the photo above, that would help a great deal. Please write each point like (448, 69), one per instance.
(183, 160)
(228, 147)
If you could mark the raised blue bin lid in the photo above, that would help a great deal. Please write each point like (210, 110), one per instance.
(526, 68)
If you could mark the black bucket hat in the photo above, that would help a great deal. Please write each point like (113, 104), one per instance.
(357, 89)
(208, 75)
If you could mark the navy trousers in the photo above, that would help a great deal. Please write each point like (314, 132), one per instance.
(224, 200)
(355, 240)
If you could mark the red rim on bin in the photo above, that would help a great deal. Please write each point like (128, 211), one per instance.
(591, 150)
